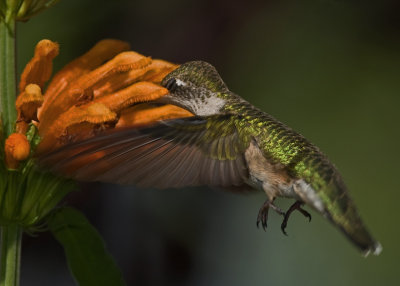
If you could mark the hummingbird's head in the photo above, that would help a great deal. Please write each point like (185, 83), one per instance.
(197, 87)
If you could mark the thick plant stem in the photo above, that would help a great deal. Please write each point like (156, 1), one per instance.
(11, 237)
(7, 75)
(10, 234)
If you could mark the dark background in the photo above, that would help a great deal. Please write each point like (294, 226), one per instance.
(329, 69)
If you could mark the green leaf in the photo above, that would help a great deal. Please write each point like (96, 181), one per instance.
(88, 260)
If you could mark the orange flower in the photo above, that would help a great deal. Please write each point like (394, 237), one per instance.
(105, 88)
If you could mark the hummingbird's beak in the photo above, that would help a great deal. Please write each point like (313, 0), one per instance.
(166, 99)
(171, 99)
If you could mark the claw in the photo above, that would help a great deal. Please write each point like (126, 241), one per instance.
(263, 213)
(296, 206)
(305, 213)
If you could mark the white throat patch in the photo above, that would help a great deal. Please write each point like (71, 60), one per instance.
(211, 106)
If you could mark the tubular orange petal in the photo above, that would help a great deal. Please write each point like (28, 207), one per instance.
(144, 114)
(138, 92)
(119, 81)
(39, 68)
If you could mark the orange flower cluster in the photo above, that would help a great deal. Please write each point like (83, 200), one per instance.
(105, 88)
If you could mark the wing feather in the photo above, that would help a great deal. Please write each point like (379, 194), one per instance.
(174, 153)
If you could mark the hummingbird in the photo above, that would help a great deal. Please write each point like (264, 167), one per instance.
(228, 144)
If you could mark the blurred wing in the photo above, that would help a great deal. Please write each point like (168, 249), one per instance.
(183, 152)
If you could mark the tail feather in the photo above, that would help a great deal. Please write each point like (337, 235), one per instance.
(358, 235)
(341, 211)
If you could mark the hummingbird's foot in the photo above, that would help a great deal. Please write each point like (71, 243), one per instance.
(263, 213)
(296, 206)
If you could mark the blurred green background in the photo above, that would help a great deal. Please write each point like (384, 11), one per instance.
(329, 69)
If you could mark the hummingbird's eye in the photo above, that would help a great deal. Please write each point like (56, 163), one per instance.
(171, 84)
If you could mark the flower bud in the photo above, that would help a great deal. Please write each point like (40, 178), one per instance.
(17, 149)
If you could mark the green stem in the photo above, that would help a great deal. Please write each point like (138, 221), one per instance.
(11, 237)
(8, 88)
(10, 234)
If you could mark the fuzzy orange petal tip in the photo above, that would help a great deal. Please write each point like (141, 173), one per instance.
(17, 149)
(39, 68)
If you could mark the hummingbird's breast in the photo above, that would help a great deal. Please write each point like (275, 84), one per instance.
(281, 161)
(272, 178)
